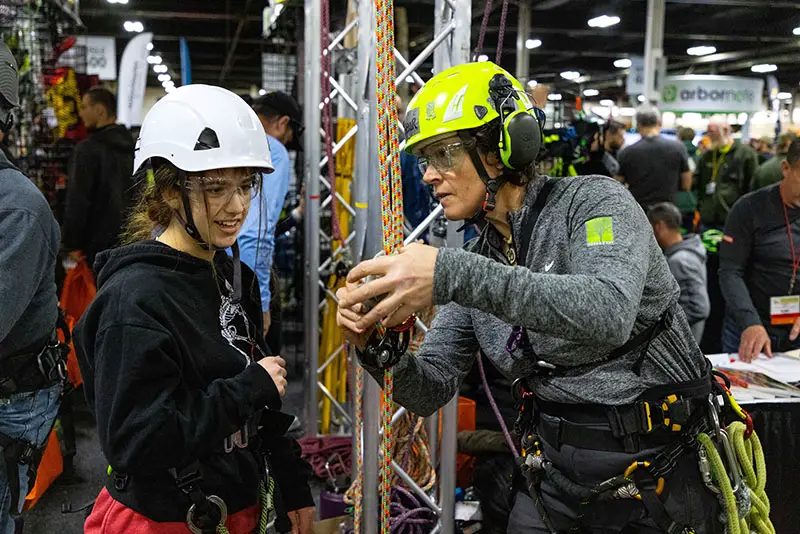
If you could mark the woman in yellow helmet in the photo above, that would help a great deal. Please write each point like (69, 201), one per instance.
(566, 292)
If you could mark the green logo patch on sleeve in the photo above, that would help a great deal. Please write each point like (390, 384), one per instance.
(600, 231)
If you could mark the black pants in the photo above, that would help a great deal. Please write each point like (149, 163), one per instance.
(685, 497)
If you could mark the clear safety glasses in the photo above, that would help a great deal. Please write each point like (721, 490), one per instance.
(443, 158)
(220, 190)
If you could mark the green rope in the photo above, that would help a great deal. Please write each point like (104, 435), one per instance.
(724, 484)
(266, 508)
(750, 457)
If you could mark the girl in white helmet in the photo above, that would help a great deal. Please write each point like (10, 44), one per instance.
(172, 349)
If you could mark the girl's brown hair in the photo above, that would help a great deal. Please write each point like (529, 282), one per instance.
(151, 210)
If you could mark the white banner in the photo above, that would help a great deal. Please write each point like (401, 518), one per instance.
(101, 56)
(133, 80)
(708, 93)
(635, 85)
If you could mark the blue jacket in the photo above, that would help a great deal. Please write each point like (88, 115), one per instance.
(29, 240)
(257, 238)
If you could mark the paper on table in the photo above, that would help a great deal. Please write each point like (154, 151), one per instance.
(781, 367)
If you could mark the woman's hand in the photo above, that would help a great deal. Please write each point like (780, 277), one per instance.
(276, 367)
(302, 520)
(405, 278)
(347, 317)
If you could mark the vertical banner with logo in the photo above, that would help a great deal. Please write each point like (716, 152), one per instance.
(635, 85)
(133, 80)
(186, 64)
(702, 93)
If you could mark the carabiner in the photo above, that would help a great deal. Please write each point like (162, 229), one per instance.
(216, 501)
(734, 472)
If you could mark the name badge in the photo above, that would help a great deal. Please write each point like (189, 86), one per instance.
(711, 187)
(784, 310)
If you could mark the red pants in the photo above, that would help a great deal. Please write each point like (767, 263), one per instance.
(112, 517)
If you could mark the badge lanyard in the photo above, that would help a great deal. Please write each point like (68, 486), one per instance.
(795, 260)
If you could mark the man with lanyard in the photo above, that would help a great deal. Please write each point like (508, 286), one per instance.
(281, 118)
(567, 294)
(723, 174)
(32, 361)
(759, 257)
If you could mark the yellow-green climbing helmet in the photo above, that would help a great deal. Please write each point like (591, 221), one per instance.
(453, 100)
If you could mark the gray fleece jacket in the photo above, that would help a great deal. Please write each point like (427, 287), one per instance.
(593, 277)
(687, 262)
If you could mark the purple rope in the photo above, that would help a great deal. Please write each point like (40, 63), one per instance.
(502, 32)
(479, 47)
(409, 516)
(495, 409)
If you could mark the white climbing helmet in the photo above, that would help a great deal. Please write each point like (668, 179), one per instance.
(201, 127)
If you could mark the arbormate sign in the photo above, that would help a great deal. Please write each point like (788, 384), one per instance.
(712, 94)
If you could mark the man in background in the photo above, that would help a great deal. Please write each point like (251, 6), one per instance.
(653, 168)
(763, 148)
(686, 258)
(686, 200)
(724, 173)
(771, 172)
(758, 267)
(100, 187)
(604, 150)
(281, 117)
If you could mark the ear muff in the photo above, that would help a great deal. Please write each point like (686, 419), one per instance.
(522, 139)
(6, 120)
(521, 134)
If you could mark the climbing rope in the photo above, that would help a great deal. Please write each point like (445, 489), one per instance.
(745, 509)
(484, 24)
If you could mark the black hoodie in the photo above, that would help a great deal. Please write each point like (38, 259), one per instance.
(168, 362)
(99, 191)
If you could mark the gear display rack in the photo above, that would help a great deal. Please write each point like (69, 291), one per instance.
(40, 34)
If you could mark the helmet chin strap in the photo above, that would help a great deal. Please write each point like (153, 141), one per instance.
(493, 185)
(194, 233)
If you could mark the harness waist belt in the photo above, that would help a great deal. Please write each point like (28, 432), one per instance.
(34, 371)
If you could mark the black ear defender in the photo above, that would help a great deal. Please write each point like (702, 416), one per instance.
(6, 120)
(521, 135)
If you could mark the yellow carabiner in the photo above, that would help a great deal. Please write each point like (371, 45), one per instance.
(636, 465)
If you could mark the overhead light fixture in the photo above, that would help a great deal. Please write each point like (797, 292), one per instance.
(555, 97)
(262, 92)
(133, 26)
(607, 102)
(409, 79)
(641, 98)
(591, 92)
(530, 44)
(764, 67)
(532, 84)
(160, 69)
(164, 77)
(796, 31)
(701, 50)
(170, 88)
(483, 57)
(784, 96)
(149, 46)
(604, 21)
(570, 75)
(168, 83)
(117, 1)
(154, 60)
(623, 63)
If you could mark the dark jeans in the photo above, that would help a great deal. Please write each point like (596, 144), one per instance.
(685, 497)
(26, 416)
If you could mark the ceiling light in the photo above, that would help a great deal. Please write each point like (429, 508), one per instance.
(133, 26)
(170, 88)
(764, 67)
(164, 77)
(607, 102)
(483, 57)
(160, 69)
(409, 79)
(530, 44)
(591, 92)
(784, 96)
(262, 92)
(604, 21)
(624, 63)
(532, 83)
(117, 1)
(796, 31)
(641, 98)
(168, 83)
(149, 46)
(154, 60)
(701, 50)
(570, 75)
(554, 97)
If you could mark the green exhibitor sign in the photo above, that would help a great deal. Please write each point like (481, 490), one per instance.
(712, 94)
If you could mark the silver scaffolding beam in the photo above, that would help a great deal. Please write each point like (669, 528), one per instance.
(450, 46)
